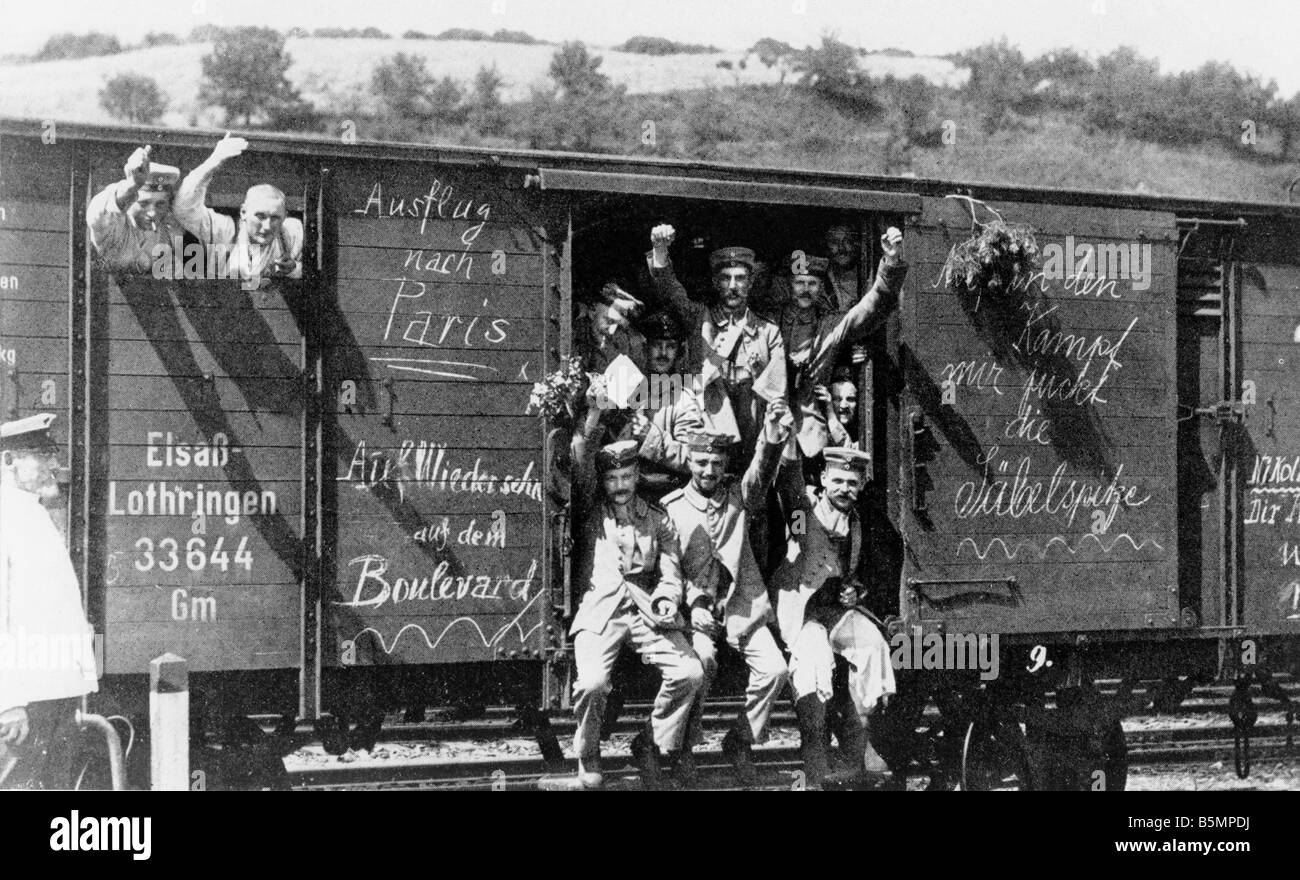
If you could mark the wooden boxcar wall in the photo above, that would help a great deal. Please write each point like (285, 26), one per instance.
(1264, 268)
(366, 487)
(1038, 465)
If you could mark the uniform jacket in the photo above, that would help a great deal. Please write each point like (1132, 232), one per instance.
(46, 645)
(640, 560)
(717, 559)
(830, 547)
(741, 349)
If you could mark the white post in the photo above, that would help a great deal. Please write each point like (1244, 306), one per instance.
(169, 723)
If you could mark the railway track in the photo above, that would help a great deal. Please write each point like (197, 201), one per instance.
(1166, 744)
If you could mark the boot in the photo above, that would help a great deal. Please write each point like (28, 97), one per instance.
(869, 769)
(646, 756)
(736, 749)
(686, 771)
(811, 714)
(587, 778)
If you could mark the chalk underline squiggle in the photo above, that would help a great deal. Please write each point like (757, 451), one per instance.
(433, 645)
(1059, 539)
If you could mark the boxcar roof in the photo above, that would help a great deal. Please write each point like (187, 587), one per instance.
(531, 160)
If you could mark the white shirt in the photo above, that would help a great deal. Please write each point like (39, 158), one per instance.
(211, 228)
(46, 645)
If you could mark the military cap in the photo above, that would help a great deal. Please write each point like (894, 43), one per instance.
(32, 432)
(846, 458)
(729, 255)
(616, 455)
(709, 441)
(812, 265)
(161, 178)
(662, 325)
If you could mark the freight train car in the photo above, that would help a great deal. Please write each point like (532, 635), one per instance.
(327, 495)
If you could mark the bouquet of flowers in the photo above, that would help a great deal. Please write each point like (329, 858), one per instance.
(994, 260)
(553, 398)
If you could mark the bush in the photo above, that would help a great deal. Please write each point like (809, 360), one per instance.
(462, 34)
(245, 75)
(134, 98)
(770, 51)
(153, 38)
(416, 35)
(486, 114)
(505, 36)
(663, 46)
(205, 33)
(62, 46)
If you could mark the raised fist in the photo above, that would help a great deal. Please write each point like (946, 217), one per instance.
(662, 236)
(137, 166)
(891, 243)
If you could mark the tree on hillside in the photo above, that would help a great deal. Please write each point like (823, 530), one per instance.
(205, 33)
(245, 76)
(133, 97)
(1285, 116)
(1124, 94)
(61, 46)
(577, 72)
(998, 81)
(487, 114)
(403, 82)
(832, 71)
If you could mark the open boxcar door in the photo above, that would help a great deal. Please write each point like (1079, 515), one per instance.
(1038, 469)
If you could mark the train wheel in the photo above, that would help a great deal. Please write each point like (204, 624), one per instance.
(993, 758)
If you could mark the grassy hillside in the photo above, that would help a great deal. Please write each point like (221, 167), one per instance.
(699, 111)
(335, 73)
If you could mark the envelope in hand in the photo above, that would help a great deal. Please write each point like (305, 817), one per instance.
(622, 381)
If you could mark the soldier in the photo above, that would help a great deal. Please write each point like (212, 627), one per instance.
(817, 596)
(266, 243)
(814, 338)
(130, 219)
(629, 560)
(726, 339)
(40, 604)
(723, 582)
(678, 407)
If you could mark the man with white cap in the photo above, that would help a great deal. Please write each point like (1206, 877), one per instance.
(40, 605)
(723, 582)
(817, 594)
(629, 564)
(130, 219)
(265, 244)
(726, 339)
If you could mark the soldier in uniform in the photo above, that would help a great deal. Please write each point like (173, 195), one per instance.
(679, 407)
(40, 605)
(817, 608)
(726, 339)
(814, 338)
(131, 220)
(629, 560)
(723, 583)
(266, 243)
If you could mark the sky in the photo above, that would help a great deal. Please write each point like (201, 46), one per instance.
(1256, 36)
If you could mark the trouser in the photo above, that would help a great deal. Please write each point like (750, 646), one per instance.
(595, 655)
(767, 677)
(45, 757)
(854, 636)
